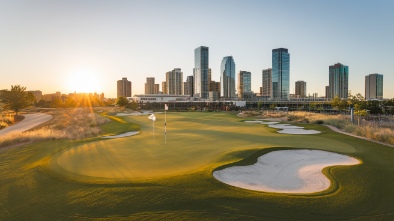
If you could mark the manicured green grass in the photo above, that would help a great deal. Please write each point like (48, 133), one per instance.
(174, 181)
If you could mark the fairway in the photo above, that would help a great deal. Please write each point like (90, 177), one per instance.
(191, 144)
(145, 177)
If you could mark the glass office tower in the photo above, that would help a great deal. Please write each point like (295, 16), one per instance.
(227, 77)
(280, 74)
(200, 72)
(244, 83)
(338, 81)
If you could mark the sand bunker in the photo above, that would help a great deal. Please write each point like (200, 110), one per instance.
(298, 131)
(290, 129)
(284, 126)
(131, 133)
(285, 171)
(270, 122)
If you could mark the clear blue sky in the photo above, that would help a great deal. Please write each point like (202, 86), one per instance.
(47, 45)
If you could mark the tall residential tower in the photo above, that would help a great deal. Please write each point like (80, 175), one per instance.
(150, 85)
(244, 83)
(123, 88)
(200, 72)
(174, 81)
(227, 77)
(300, 89)
(280, 74)
(338, 81)
(267, 83)
(374, 86)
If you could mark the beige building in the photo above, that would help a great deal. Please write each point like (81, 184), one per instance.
(174, 81)
(150, 85)
(267, 83)
(156, 89)
(300, 89)
(164, 87)
(123, 88)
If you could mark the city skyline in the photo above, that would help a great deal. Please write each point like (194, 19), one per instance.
(69, 43)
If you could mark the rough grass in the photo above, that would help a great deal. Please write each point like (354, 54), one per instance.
(31, 189)
(69, 124)
(366, 129)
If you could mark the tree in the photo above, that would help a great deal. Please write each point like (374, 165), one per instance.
(122, 101)
(16, 98)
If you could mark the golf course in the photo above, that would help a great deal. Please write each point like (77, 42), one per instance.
(156, 176)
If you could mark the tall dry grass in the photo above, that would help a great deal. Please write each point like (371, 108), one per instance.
(70, 124)
(6, 119)
(370, 130)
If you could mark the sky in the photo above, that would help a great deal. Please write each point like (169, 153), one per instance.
(86, 46)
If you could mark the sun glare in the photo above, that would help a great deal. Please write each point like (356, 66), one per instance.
(84, 81)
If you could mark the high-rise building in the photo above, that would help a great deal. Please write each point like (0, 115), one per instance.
(338, 80)
(150, 85)
(156, 89)
(374, 86)
(164, 87)
(123, 88)
(227, 77)
(280, 74)
(244, 83)
(188, 86)
(267, 83)
(174, 81)
(300, 89)
(200, 72)
(327, 91)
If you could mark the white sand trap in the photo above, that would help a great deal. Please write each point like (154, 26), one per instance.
(253, 121)
(270, 122)
(131, 133)
(285, 171)
(284, 126)
(298, 131)
(290, 129)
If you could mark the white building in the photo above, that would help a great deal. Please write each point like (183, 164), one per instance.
(152, 98)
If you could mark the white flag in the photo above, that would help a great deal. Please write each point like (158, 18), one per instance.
(165, 107)
(152, 117)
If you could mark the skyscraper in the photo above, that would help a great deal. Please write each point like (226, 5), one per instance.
(188, 88)
(280, 74)
(227, 77)
(267, 83)
(164, 87)
(200, 72)
(123, 88)
(150, 85)
(374, 86)
(338, 80)
(156, 89)
(244, 83)
(174, 81)
(300, 89)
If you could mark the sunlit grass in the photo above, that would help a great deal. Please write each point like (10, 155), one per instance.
(72, 124)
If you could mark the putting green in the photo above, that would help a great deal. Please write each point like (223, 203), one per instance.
(193, 141)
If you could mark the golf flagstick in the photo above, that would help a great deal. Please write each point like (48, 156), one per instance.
(153, 118)
(165, 123)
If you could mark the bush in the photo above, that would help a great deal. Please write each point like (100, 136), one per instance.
(318, 122)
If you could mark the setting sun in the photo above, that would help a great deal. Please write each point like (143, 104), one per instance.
(84, 81)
